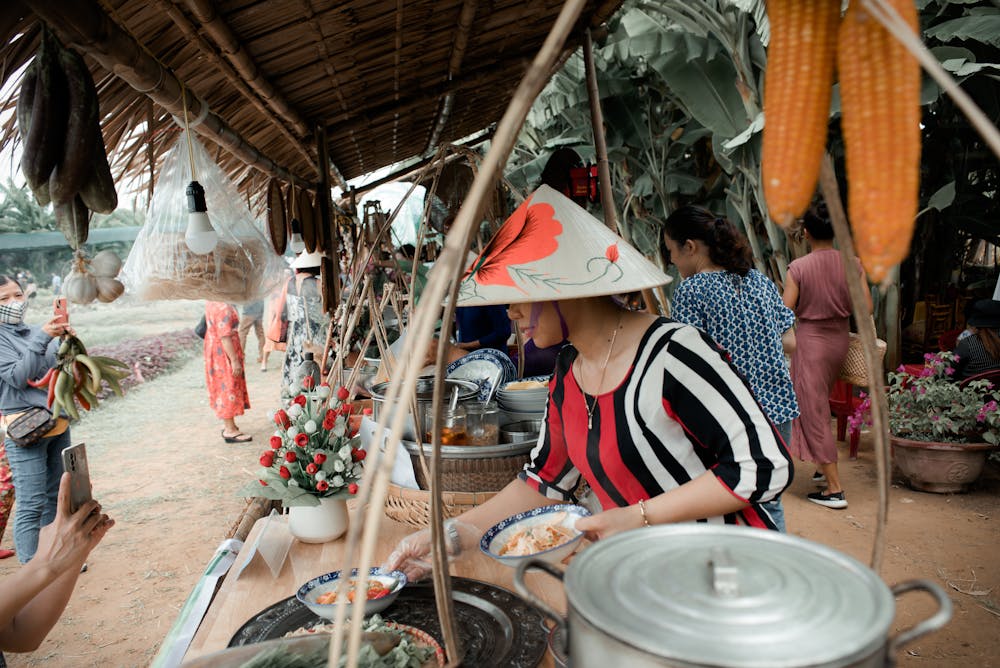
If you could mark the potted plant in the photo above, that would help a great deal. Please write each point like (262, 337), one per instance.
(941, 431)
(314, 462)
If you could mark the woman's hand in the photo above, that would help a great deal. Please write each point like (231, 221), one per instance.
(65, 544)
(237, 368)
(55, 327)
(413, 554)
(610, 522)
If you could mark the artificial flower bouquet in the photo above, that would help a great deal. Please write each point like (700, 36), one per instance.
(931, 406)
(314, 450)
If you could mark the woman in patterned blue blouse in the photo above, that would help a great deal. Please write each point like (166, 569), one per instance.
(738, 307)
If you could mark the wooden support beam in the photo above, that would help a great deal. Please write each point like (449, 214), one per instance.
(217, 28)
(190, 31)
(327, 232)
(84, 24)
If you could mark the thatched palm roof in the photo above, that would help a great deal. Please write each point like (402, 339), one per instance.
(385, 80)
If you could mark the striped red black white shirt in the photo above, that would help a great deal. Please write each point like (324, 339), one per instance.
(681, 410)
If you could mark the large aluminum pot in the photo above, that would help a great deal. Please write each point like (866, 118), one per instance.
(467, 391)
(691, 595)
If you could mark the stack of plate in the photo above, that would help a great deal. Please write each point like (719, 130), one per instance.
(488, 368)
(524, 399)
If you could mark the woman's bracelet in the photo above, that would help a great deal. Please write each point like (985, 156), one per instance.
(642, 511)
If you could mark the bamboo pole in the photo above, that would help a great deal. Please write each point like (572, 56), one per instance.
(600, 143)
(465, 18)
(85, 25)
(451, 262)
(876, 383)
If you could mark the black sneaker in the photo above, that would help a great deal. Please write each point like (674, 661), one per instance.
(818, 478)
(835, 500)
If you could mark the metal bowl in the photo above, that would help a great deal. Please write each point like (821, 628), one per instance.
(525, 430)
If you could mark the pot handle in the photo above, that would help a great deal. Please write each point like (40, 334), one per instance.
(532, 599)
(933, 623)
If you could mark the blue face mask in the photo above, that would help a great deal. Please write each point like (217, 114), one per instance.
(12, 313)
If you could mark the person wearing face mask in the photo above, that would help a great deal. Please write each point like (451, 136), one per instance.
(26, 353)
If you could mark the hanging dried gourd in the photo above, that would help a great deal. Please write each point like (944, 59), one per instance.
(304, 210)
(276, 223)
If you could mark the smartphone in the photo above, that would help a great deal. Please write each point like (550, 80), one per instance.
(60, 310)
(75, 463)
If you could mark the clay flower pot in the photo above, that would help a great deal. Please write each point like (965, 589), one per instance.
(939, 467)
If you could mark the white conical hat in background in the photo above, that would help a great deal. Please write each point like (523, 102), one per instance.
(308, 260)
(551, 248)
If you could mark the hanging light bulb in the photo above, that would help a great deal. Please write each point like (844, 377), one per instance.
(199, 237)
(295, 242)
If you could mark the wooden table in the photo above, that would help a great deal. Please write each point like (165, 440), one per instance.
(240, 599)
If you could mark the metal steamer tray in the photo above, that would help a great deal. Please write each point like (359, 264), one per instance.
(497, 628)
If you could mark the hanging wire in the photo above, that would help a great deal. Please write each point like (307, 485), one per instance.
(187, 131)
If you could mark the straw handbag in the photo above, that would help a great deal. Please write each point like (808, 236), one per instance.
(853, 369)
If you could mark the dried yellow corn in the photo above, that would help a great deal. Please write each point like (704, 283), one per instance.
(880, 103)
(797, 88)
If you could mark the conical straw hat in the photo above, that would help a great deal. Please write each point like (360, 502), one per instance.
(550, 249)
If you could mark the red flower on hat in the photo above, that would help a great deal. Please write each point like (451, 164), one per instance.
(528, 235)
(612, 253)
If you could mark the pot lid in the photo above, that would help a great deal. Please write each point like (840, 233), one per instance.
(730, 596)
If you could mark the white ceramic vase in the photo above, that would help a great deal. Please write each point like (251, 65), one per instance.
(319, 524)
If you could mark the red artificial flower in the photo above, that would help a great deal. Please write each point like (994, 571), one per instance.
(352, 488)
(290, 456)
(366, 411)
(311, 469)
(358, 455)
(300, 400)
(324, 384)
(322, 486)
(612, 253)
(308, 382)
(345, 409)
(342, 393)
(528, 235)
(275, 442)
(267, 459)
(319, 458)
(284, 473)
(281, 419)
(301, 440)
(331, 414)
(328, 424)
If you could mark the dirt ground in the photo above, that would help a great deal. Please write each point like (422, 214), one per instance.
(161, 469)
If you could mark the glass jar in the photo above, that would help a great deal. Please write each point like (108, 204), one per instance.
(453, 426)
(482, 423)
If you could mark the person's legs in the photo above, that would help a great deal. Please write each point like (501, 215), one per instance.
(258, 331)
(241, 332)
(775, 508)
(37, 489)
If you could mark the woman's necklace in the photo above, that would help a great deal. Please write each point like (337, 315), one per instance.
(591, 406)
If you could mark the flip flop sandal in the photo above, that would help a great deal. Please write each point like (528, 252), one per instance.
(236, 438)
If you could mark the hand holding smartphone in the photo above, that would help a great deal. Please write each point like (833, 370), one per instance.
(60, 309)
(75, 463)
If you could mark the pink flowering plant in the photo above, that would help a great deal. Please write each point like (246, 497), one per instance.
(314, 451)
(932, 406)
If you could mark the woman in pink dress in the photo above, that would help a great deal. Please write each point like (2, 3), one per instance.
(816, 289)
(224, 374)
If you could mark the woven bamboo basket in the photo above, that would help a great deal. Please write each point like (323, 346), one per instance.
(413, 506)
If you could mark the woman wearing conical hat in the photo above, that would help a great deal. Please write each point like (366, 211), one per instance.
(649, 412)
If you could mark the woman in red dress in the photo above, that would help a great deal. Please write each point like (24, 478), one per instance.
(224, 374)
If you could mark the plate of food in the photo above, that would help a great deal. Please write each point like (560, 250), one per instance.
(547, 533)
(320, 594)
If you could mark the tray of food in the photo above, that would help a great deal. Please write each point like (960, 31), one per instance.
(496, 627)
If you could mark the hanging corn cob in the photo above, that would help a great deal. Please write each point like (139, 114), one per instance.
(880, 102)
(797, 91)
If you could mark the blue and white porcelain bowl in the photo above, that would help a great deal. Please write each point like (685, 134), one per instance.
(310, 591)
(500, 534)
